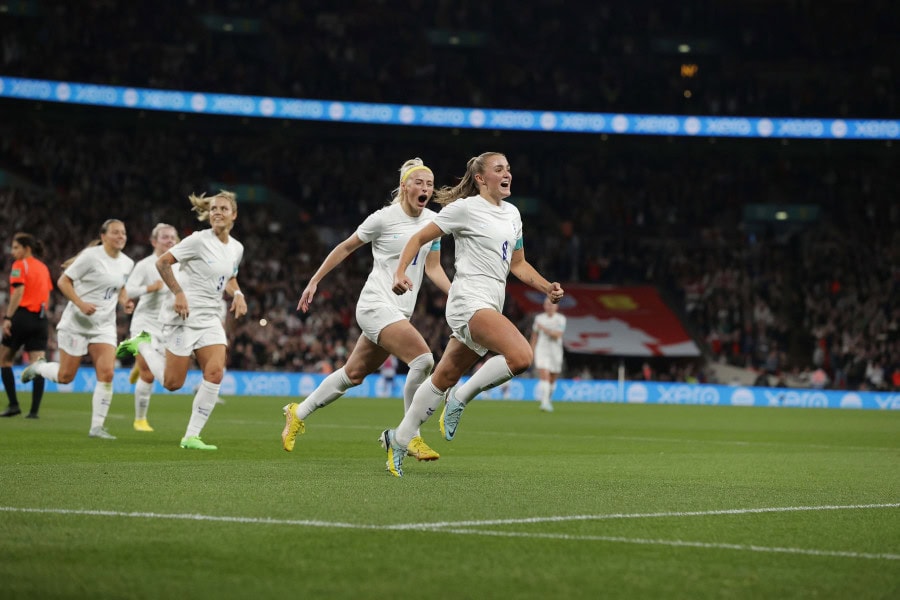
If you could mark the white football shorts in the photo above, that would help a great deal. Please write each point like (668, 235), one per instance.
(373, 318)
(76, 344)
(182, 341)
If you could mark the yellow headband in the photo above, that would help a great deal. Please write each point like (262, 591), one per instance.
(416, 168)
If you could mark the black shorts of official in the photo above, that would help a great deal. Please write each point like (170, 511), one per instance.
(28, 329)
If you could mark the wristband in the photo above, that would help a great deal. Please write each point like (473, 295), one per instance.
(7, 318)
(238, 293)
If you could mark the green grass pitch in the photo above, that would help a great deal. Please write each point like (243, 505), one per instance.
(592, 501)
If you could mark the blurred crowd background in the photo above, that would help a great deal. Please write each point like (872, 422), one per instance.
(802, 298)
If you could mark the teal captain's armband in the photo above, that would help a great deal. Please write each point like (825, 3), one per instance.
(520, 243)
(435, 245)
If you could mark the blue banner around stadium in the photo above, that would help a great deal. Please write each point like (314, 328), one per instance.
(445, 116)
(250, 383)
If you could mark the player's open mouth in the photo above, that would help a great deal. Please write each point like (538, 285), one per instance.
(423, 200)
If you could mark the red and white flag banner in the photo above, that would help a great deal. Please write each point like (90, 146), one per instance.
(614, 320)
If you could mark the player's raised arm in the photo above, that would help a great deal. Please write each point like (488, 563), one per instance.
(429, 233)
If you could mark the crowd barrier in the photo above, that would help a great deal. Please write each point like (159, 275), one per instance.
(253, 383)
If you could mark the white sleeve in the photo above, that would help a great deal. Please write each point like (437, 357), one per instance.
(186, 248)
(371, 228)
(238, 258)
(452, 217)
(137, 281)
(80, 267)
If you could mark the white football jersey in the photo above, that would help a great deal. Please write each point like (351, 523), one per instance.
(97, 278)
(545, 343)
(486, 236)
(146, 313)
(206, 266)
(388, 229)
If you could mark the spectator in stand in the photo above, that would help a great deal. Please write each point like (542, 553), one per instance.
(819, 379)
(387, 372)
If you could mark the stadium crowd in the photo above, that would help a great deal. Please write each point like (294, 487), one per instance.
(796, 299)
(781, 298)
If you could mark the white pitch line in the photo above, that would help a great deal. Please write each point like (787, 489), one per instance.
(189, 517)
(678, 543)
(656, 515)
(454, 528)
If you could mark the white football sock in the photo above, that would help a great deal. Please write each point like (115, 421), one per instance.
(540, 390)
(48, 370)
(156, 361)
(204, 403)
(491, 374)
(142, 391)
(419, 369)
(100, 402)
(331, 388)
(426, 401)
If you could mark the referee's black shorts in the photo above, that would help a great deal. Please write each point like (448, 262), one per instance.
(28, 329)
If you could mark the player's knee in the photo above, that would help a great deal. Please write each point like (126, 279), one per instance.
(214, 375)
(520, 360)
(444, 380)
(354, 375)
(355, 378)
(423, 363)
(173, 383)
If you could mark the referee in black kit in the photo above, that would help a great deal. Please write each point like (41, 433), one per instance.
(25, 320)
